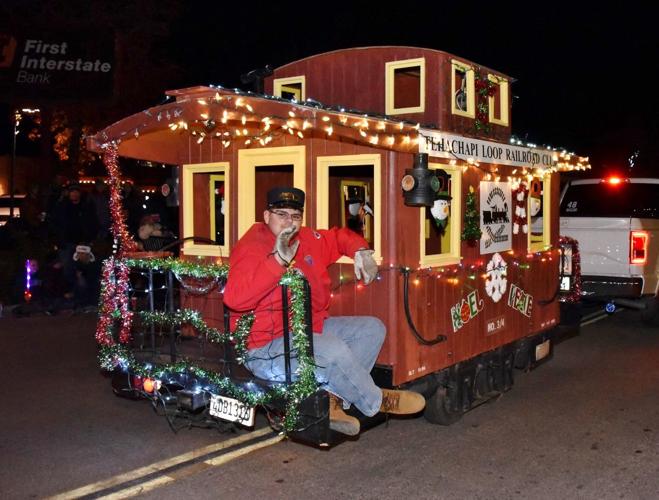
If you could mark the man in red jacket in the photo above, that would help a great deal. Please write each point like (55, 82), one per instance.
(345, 347)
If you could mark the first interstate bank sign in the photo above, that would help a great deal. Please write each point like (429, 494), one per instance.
(443, 145)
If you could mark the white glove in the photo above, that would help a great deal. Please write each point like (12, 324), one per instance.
(284, 250)
(365, 266)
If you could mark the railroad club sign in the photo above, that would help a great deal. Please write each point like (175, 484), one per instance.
(496, 211)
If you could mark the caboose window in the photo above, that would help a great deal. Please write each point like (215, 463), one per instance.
(440, 224)
(463, 101)
(405, 86)
(261, 169)
(348, 195)
(498, 103)
(206, 209)
(538, 207)
(290, 88)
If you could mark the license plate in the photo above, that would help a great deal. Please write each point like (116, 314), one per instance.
(565, 284)
(542, 350)
(231, 410)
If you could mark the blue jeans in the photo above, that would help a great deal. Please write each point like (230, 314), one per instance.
(344, 354)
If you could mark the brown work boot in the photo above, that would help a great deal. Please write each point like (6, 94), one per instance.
(339, 420)
(401, 402)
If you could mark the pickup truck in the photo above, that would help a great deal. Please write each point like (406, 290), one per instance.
(616, 222)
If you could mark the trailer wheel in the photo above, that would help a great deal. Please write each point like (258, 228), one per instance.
(441, 407)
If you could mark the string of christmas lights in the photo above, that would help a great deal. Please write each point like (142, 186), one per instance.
(456, 273)
(232, 117)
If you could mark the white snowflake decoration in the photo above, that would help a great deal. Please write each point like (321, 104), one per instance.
(496, 281)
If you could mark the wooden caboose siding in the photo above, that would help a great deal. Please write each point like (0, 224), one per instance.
(355, 78)
(430, 301)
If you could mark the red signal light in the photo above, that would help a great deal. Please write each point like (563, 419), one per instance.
(614, 180)
(638, 247)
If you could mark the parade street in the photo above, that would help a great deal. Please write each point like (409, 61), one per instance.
(584, 425)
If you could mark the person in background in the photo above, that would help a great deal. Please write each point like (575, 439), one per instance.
(32, 209)
(54, 195)
(134, 206)
(345, 348)
(75, 226)
(100, 199)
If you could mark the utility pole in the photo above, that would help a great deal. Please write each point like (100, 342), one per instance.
(12, 167)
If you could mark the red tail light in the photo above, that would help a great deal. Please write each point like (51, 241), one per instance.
(638, 247)
(614, 180)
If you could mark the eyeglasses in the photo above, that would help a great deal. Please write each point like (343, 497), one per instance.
(285, 215)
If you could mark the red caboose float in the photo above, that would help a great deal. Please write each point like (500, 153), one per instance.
(409, 147)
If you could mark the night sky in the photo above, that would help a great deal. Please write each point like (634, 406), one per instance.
(586, 76)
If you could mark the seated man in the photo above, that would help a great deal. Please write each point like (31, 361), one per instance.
(345, 348)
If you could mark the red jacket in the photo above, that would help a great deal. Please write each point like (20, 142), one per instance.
(254, 274)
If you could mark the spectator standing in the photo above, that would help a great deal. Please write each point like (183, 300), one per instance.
(100, 198)
(76, 225)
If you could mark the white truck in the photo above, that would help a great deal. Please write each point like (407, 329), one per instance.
(616, 223)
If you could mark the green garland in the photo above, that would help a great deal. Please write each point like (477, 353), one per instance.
(193, 317)
(472, 230)
(306, 383)
(484, 90)
(194, 269)
(303, 386)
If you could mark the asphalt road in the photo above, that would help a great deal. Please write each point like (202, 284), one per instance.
(585, 425)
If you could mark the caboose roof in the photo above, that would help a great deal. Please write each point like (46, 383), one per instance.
(226, 117)
(392, 50)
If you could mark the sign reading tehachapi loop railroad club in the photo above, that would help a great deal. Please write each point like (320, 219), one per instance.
(451, 146)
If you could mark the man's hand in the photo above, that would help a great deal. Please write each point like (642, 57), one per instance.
(284, 251)
(365, 266)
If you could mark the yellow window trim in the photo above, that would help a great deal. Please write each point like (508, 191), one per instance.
(390, 69)
(248, 161)
(190, 247)
(283, 84)
(452, 257)
(504, 89)
(471, 89)
(323, 165)
(211, 198)
(545, 244)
